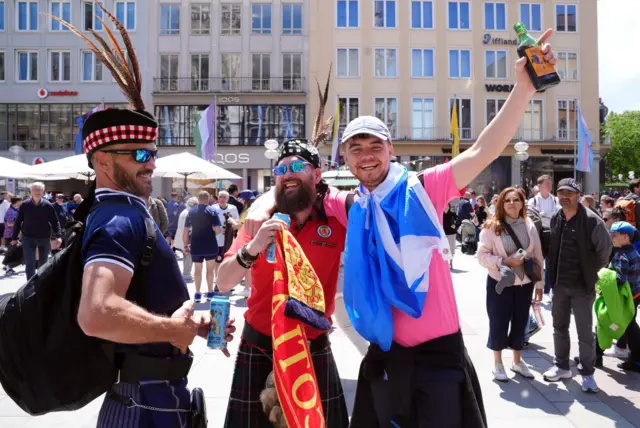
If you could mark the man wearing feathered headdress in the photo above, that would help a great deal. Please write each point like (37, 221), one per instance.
(291, 302)
(133, 293)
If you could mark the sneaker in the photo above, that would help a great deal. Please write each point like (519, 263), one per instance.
(555, 373)
(499, 373)
(614, 351)
(630, 366)
(210, 295)
(197, 297)
(522, 369)
(589, 384)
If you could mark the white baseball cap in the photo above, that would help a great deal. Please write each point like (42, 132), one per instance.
(370, 125)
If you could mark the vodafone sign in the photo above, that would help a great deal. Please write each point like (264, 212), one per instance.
(37, 161)
(43, 93)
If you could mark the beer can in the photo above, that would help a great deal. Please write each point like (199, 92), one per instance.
(220, 308)
(271, 250)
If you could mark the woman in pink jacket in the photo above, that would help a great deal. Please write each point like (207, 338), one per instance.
(509, 289)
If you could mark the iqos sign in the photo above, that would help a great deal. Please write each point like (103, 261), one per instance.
(228, 100)
(232, 158)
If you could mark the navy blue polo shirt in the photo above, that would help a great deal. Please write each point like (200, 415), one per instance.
(115, 233)
(173, 212)
(202, 219)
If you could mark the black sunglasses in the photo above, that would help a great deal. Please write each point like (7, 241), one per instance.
(139, 155)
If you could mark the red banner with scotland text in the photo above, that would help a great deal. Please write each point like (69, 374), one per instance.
(293, 369)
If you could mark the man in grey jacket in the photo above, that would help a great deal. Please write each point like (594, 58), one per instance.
(580, 246)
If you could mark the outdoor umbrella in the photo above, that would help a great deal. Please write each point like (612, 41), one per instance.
(70, 167)
(190, 166)
(13, 169)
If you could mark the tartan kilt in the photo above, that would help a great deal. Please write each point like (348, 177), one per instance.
(250, 374)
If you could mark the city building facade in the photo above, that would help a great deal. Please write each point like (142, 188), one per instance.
(248, 59)
(49, 78)
(410, 62)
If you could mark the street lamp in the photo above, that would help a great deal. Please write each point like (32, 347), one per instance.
(271, 154)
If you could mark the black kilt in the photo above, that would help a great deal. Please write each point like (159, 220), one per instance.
(253, 365)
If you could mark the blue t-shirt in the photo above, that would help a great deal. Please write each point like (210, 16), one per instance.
(202, 219)
(115, 233)
(173, 212)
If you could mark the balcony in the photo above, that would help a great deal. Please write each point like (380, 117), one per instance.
(471, 134)
(189, 85)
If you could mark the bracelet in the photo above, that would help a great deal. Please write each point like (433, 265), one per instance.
(246, 256)
(242, 262)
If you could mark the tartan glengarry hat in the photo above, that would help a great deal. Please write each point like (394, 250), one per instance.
(117, 126)
(301, 148)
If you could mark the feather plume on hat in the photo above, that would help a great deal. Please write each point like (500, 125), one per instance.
(321, 127)
(124, 68)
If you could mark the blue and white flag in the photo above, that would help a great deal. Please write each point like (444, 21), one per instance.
(392, 233)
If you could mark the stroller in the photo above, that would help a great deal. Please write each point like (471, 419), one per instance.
(13, 258)
(468, 237)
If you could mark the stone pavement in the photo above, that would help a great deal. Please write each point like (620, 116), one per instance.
(520, 402)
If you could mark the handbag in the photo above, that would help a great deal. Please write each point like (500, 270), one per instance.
(198, 409)
(531, 267)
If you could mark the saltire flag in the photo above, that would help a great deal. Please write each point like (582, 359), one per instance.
(455, 131)
(80, 121)
(297, 302)
(205, 133)
(585, 154)
(336, 137)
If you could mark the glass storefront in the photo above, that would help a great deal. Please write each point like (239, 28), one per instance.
(237, 125)
(42, 126)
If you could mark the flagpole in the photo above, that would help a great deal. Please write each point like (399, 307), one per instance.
(575, 145)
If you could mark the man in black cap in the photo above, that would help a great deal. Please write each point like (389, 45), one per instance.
(300, 192)
(146, 311)
(580, 246)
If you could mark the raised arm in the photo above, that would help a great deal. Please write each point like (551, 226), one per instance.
(497, 135)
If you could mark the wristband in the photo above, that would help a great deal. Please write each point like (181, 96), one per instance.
(242, 262)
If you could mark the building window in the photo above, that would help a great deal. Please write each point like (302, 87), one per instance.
(91, 67)
(567, 17)
(261, 72)
(261, 19)
(291, 19)
(292, 72)
(347, 12)
(386, 63)
(463, 110)
(532, 121)
(2, 66)
(200, 19)
(495, 64)
(531, 16)
(168, 72)
(349, 110)
(495, 16)
(422, 119)
(493, 107)
(384, 14)
(62, 10)
(459, 18)
(348, 62)
(199, 72)
(59, 66)
(126, 14)
(567, 120)
(230, 71)
(459, 64)
(231, 19)
(27, 15)
(1, 15)
(421, 14)
(422, 63)
(90, 15)
(27, 62)
(386, 109)
(567, 66)
(169, 19)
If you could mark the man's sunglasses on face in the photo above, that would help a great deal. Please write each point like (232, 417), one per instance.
(139, 155)
(295, 167)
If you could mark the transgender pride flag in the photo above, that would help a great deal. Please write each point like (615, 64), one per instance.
(585, 155)
(205, 133)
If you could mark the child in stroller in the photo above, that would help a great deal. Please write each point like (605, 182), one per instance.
(468, 237)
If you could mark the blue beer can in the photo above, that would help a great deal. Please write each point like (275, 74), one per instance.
(220, 308)
(271, 250)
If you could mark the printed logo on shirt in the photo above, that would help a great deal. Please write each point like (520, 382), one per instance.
(324, 231)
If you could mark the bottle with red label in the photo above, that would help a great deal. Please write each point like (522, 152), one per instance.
(542, 73)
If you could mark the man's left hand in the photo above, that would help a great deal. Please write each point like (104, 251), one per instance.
(56, 243)
(205, 325)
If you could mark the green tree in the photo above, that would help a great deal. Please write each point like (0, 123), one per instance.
(624, 130)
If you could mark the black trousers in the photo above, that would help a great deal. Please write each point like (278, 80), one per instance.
(508, 315)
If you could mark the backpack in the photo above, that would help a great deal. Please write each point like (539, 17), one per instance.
(629, 208)
(47, 363)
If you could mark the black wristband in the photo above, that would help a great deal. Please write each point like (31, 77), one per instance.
(246, 256)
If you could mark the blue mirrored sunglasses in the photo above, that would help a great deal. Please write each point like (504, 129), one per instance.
(139, 155)
(295, 166)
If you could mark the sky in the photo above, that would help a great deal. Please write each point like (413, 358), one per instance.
(619, 63)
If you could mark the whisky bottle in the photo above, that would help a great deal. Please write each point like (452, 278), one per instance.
(542, 73)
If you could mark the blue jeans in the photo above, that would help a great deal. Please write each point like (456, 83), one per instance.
(29, 246)
(547, 283)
